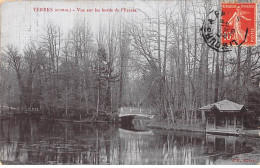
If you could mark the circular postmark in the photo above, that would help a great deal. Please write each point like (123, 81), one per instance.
(212, 34)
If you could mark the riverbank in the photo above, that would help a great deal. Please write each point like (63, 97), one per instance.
(78, 121)
(250, 158)
(252, 133)
(251, 140)
(195, 128)
(81, 117)
(177, 126)
(60, 115)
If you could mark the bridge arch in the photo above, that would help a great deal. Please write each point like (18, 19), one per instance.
(138, 115)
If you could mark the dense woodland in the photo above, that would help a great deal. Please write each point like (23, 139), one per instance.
(158, 60)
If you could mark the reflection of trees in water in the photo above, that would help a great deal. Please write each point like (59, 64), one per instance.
(62, 143)
(162, 149)
(225, 146)
(182, 148)
(51, 143)
(14, 135)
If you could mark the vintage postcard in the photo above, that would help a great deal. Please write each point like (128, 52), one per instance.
(134, 82)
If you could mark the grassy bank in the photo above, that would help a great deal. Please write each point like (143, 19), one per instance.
(80, 116)
(78, 121)
(199, 127)
(252, 133)
(60, 115)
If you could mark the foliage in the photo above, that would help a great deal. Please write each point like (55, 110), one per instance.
(253, 105)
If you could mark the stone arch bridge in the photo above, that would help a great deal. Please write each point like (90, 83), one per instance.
(137, 111)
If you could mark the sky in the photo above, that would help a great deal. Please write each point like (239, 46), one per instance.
(20, 23)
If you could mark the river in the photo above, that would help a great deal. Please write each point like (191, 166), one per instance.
(31, 141)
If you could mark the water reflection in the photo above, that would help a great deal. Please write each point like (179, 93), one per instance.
(29, 141)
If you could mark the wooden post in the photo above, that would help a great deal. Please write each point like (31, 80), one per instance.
(215, 119)
(234, 147)
(207, 122)
(242, 122)
(235, 121)
(226, 122)
(203, 115)
(225, 143)
(214, 142)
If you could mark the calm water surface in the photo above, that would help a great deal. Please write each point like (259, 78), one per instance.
(29, 141)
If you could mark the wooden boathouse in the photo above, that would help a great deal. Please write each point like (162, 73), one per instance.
(225, 117)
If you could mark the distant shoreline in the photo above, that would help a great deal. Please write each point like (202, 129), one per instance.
(195, 128)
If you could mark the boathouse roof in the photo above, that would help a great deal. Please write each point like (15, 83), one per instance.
(223, 106)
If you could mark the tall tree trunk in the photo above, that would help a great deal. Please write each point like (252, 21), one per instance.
(206, 75)
(21, 87)
(121, 83)
(161, 91)
(66, 98)
(164, 68)
(194, 91)
(98, 97)
(217, 68)
(223, 76)
(238, 74)
(212, 78)
(183, 59)
(217, 78)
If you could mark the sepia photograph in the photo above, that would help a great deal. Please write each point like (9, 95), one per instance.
(129, 82)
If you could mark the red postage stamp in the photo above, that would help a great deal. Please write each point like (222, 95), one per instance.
(238, 24)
